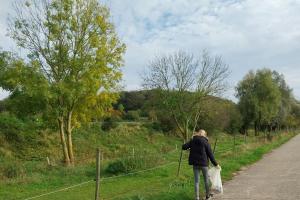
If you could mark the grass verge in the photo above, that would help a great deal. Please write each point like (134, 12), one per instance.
(159, 183)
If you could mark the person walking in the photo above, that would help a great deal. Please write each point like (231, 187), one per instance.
(200, 154)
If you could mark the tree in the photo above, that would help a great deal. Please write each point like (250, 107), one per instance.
(16, 104)
(220, 115)
(2, 106)
(247, 102)
(235, 120)
(133, 100)
(75, 59)
(294, 119)
(183, 82)
(286, 100)
(269, 98)
(260, 99)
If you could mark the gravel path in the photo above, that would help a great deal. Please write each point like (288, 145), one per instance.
(275, 177)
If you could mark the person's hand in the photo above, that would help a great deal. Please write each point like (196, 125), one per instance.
(219, 167)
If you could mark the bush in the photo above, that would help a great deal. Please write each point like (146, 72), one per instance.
(164, 123)
(167, 124)
(11, 127)
(153, 126)
(116, 167)
(109, 123)
(130, 164)
(11, 170)
(156, 126)
(2, 106)
(132, 115)
(234, 126)
(235, 122)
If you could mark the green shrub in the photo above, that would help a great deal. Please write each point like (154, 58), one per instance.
(153, 126)
(235, 122)
(11, 127)
(2, 106)
(132, 115)
(116, 167)
(11, 170)
(109, 123)
(132, 163)
(167, 124)
(164, 124)
(234, 126)
(156, 126)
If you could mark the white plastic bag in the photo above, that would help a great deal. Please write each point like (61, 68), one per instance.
(214, 174)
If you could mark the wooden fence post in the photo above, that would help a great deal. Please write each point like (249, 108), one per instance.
(48, 161)
(215, 145)
(133, 152)
(97, 191)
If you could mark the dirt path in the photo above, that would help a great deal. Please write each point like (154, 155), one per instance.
(275, 177)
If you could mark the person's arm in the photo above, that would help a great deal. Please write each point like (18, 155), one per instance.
(210, 154)
(186, 146)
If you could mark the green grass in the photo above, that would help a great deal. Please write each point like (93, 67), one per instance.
(160, 183)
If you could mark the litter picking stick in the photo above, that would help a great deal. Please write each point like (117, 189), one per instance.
(179, 165)
(215, 145)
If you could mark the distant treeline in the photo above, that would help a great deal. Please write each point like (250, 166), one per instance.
(217, 113)
(265, 103)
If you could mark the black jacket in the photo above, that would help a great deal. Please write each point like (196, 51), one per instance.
(200, 151)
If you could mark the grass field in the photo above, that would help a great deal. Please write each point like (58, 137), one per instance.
(158, 183)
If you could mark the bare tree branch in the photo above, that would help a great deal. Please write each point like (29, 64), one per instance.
(183, 82)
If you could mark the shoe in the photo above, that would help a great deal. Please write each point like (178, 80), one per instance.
(209, 197)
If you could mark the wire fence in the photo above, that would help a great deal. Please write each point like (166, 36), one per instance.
(60, 190)
(102, 180)
(228, 144)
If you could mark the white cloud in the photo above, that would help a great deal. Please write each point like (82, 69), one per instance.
(3, 94)
(250, 34)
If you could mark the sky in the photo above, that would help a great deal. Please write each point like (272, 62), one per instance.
(248, 34)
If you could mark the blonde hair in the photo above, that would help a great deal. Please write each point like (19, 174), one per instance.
(201, 132)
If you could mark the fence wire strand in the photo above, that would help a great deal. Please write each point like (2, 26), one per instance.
(60, 190)
(115, 177)
(102, 179)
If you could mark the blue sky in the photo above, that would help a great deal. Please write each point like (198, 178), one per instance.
(249, 34)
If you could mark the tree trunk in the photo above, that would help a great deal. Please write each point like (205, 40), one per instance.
(69, 137)
(255, 129)
(269, 135)
(63, 141)
(265, 136)
(234, 143)
(70, 147)
(185, 139)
